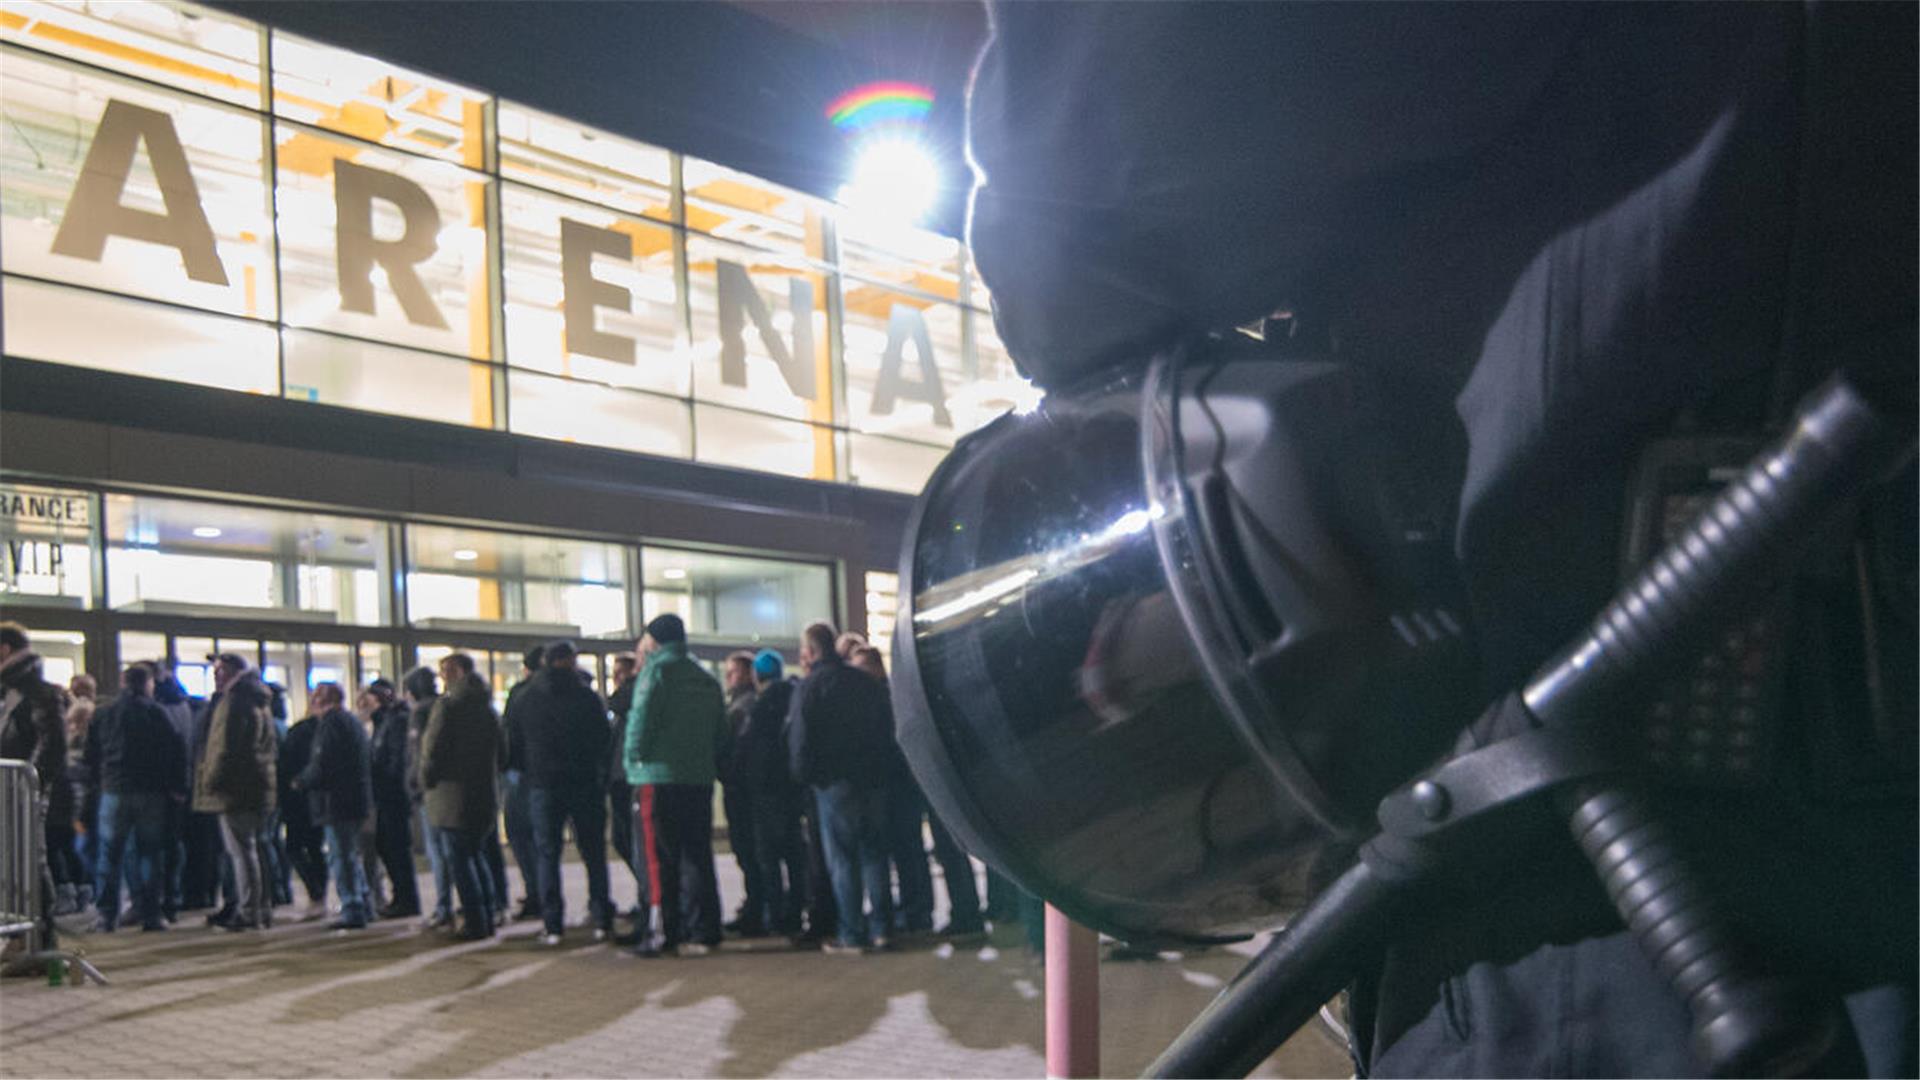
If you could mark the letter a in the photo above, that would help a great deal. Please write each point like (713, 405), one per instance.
(94, 211)
(907, 324)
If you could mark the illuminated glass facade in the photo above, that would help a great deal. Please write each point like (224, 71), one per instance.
(318, 595)
(190, 196)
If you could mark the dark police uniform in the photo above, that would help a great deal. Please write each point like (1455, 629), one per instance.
(1549, 230)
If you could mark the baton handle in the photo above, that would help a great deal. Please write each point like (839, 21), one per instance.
(1304, 965)
(1746, 1020)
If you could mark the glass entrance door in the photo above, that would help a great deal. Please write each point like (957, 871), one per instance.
(294, 666)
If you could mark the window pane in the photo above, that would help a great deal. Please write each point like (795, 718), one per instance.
(175, 557)
(978, 296)
(542, 586)
(557, 154)
(557, 252)
(903, 361)
(136, 646)
(997, 385)
(384, 246)
(892, 464)
(362, 375)
(774, 310)
(332, 662)
(597, 415)
(174, 205)
(64, 655)
(286, 667)
(899, 256)
(191, 47)
(746, 441)
(734, 206)
(46, 546)
(191, 666)
(89, 329)
(735, 598)
(883, 607)
(376, 662)
(373, 100)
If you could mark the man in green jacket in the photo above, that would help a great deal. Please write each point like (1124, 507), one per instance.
(676, 732)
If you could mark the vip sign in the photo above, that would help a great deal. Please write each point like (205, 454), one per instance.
(44, 538)
(389, 231)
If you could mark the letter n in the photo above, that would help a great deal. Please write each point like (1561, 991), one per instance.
(740, 301)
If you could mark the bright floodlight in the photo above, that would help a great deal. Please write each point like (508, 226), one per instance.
(894, 180)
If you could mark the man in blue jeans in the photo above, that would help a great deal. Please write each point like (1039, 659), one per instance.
(338, 782)
(520, 834)
(840, 741)
(460, 754)
(558, 740)
(139, 763)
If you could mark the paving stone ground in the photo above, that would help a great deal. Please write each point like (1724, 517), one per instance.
(300, 1001)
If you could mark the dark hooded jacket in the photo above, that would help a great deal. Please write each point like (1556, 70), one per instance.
(419, 713)
(558, 734)
(239, 768)
(173, 700)
(33, 728)
(390, 735)
(840, 727)
(762, 756)
(338, 778)
(619, 704)
(131, 747)
(461, 753)
(295, 751)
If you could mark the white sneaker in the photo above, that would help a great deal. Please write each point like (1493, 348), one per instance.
(692, 948)
(316, 910)
(550, 940)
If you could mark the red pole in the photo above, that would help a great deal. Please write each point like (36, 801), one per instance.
(1073, 999)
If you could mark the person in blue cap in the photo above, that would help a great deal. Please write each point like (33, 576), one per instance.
(779, 849)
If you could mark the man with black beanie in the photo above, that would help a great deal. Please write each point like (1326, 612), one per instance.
(676, 732)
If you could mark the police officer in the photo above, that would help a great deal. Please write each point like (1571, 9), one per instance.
(1551, 231)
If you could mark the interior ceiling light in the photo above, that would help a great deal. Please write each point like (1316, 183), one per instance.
(673, 573)
(465, 555)
(206, 532)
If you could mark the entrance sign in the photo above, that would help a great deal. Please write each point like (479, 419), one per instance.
(46, 542)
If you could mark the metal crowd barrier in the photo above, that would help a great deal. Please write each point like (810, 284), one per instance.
(20, 858)
(25, 911)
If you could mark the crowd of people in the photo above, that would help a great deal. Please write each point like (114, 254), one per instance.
(225, 805)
